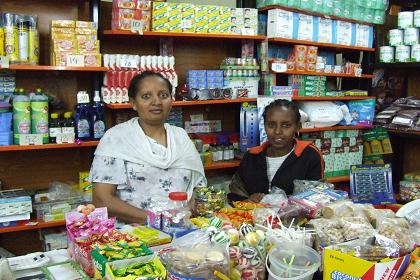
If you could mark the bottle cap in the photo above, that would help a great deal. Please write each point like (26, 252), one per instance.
(38, 90)
(178, 196)
(54, 116)
(68, 115)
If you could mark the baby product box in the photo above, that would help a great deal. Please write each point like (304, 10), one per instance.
(249, 133)
(324, 30)
(281, 24)
(338, 265)
(305, 28)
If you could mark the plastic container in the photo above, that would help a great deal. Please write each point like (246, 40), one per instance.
(21, 115)
(175, 218)
(82, 117)
(293, 262)
(396, 37)
(98, 119)
(68, 124)
(6, 121)
(39, 108)
(55, 128)
(386, 54)
(405, 20)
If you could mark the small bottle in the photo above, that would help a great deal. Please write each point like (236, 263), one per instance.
(219, 153)
(232, 152)
(54, 128)
(213, 151)
(226, 153)
(97, 117)
(68, 124)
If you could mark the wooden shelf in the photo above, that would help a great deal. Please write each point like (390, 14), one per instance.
(188, 103)
(222, 165)
(324, 45)
(22, 67)
(22, 226)
(48, 146)
(404, 133)
(330, 98)
(286, 8)
(338, 179)
(184, 34)
(338, 127)
(398, 65)
(364, 76)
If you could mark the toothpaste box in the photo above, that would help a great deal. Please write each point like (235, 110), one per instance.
(174, 17)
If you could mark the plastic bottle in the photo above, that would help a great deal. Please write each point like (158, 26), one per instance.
(68, 124)
(23, 40)
(175, 217)
(21, 115)
(82, 118)
(97, 115)
(33, 40)
(39, 108)
(54, 128)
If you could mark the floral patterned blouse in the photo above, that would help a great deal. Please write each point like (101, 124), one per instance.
(138, 184)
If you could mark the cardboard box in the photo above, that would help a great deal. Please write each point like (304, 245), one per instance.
(63, 23)
(249, 129)
(93, 60)
(84, 184)
(86, 47)
(144, 5)
(119, 14)
(305, 27)
(86, 24)
(160, 11)
(280, 24)
(62, 30)
(338, 265)
(344, 33)
(125, 4)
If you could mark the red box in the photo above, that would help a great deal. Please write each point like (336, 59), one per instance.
(144, 5)
(125, 4)
(118, 14)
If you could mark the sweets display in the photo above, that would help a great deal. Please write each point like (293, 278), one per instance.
(124, 12)
(410, 187)
(207, 201)
(77, 40)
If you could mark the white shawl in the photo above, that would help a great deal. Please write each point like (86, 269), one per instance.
(127, 141)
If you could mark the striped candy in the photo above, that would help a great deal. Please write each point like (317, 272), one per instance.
(244, 229)
(216, 222)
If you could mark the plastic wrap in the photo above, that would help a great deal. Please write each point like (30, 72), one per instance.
(328, 232)
(356, 228)
(339, 209)
(276, 198)
(392, 230)
(305, 185)
(373, 214)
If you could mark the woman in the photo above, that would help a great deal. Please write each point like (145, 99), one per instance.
(280, 160)
(144, 159)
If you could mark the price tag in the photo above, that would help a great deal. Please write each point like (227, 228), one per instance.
(278, 67)
(65, 138)
(186, 24)
(83, 98)
(358, 72)
(137, 26)
(4, 62)
(30, 139)
(128, 63)
(75, 60)
(248, 31)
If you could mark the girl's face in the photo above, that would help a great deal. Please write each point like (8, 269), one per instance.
(281, 127)
(153, 100)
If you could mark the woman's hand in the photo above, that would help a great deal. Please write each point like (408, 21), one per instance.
(256, 197)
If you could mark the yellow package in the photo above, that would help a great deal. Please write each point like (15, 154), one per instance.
(2, 52)
(86, 24)
(84, 184)
(224, 28)
(93, 60)
(62, 30)
(200, 12)
(83, 38)
(187, 8)
(188, 22)
(225, 15)
(63, 23)
(91, 46)
(174, 14)
(212, 9)
(213, 27)
(64, 45)
(60, 58)
(62, 36)
(86, 31)
(201, 27)
(160, 25)
(174, 25)
(160, 10)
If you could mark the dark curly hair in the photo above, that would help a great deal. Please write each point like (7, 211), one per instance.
(132, 89)
(282, 103)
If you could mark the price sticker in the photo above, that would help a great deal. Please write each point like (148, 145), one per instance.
(83, 98)
(358, 72)
(30, 139)
(4, 62)
(186, 24)
(75, 60)
(278, 67)
(65, 138)
(137, 26)
(248, 31)
(129, 62)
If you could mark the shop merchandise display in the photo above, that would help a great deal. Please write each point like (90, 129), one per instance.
(124, 12)
(404, 42)
(410, 187)
(402, 115)
(7, 87)
(74, 43)
(366, 11)
(15, 205)
(191, 18)
(123, 67)
(19, 38)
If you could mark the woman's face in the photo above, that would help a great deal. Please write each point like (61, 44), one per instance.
(281, 126)
(153, 100)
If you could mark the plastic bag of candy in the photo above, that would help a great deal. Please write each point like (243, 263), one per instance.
(276, 198)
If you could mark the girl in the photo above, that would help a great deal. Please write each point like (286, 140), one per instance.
(280, 160)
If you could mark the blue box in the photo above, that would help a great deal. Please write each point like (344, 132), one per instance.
(6, 121)
(196, 74)
(249, 132)
(6, 138)
(214, 73)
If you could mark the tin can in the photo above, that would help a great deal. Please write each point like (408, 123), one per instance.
(396, 37)
(417, 18)
(415, 53)
(386, 54)
(411, 36)
(33, 35)
(405, 19)
(402, 54)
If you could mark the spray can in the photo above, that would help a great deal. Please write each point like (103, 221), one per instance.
(39, 107)
(23, 39)
(33, 40)
(11, 37)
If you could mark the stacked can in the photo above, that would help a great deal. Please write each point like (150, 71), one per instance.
(404, 42)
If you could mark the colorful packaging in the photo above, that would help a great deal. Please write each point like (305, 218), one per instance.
(280, 24)
(125, 4)
(88, 46)
(86, 31)
(86, 24)
(64, 45)
(174, 17)
(84, 184)
(63, 23)
(62, 30)
(118, 14)
(93, 60)
(362, 112)
(144, 5)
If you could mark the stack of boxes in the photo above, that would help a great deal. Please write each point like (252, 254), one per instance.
(186, 17)
(123, 12)
(7, 87)
(308, 85)
(340, 149)
(15, 205)
(69, 37)
(205, 79)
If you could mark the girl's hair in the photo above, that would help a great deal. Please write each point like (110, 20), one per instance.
(282, 103)
(132, 89)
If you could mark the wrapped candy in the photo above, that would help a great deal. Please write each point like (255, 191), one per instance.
(207, 201)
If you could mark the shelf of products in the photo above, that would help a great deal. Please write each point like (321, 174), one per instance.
(222, 165)
(184, 34)
(398, 65)
(338, 127)
(22, 67)
(318, 44)
(404, 133)
(338, 75)
(330, 98)
(290, 9)
(23, 225)
(48, 146)
(338, 179)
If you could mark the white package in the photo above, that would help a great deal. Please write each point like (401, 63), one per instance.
(323, 113)
(325, 30)
(344, 33)
(280, 24)
(362, 35)
(305, 27)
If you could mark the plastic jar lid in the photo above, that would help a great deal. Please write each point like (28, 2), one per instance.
(178, 196)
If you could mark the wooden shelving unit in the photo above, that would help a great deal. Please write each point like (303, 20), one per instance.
(311, 13)
(338, 179)
(48, 146)
(222, 165)
(330, 98)
(404, 133)
(283, 41)
(310, 73)
(184, 34)
(23, 67)
(23, 225)
(338, 127)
